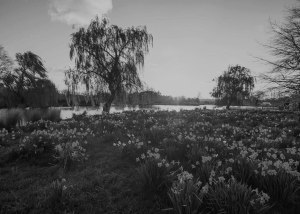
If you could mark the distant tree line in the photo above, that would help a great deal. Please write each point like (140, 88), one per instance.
(25, 83)
(146, 97)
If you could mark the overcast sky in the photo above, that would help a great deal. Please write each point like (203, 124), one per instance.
(193, 40)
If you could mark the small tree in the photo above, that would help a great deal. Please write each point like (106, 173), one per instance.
(110, 56)
(236, 81)
(257, 97)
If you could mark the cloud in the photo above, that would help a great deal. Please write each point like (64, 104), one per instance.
(79, 12)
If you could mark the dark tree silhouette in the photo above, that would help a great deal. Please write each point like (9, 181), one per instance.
(285, 47)
(43, 95)
(109, 55)
(6, 65)
(257, 97)
(235, 82)
(30, 69)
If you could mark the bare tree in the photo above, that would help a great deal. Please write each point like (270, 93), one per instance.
(285, 47)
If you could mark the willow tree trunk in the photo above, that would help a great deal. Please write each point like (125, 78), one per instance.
(107, 105)
(92, 101)
(229, 103)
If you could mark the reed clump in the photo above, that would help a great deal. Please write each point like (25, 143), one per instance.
(10, 118)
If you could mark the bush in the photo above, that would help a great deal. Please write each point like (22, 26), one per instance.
(52, 115)
(33, 115)
(10, 118)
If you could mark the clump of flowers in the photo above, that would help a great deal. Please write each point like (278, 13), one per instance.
(70, 151)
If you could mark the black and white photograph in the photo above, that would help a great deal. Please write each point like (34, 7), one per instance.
(149, 106)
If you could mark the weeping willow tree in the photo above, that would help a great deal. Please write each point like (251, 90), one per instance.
(109, 58)
(72, 79)
(234, 83)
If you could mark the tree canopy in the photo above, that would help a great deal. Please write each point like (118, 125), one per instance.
(26, 84)
(233, 83)
(108, 57)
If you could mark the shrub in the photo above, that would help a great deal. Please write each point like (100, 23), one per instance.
(52, 115)
(10, 118)
(33, 115)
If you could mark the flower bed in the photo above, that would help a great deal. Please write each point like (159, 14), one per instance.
(203, 160)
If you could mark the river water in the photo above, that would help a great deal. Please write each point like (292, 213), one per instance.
(68, 112)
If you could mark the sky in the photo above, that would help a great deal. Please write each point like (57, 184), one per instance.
(194, 41)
